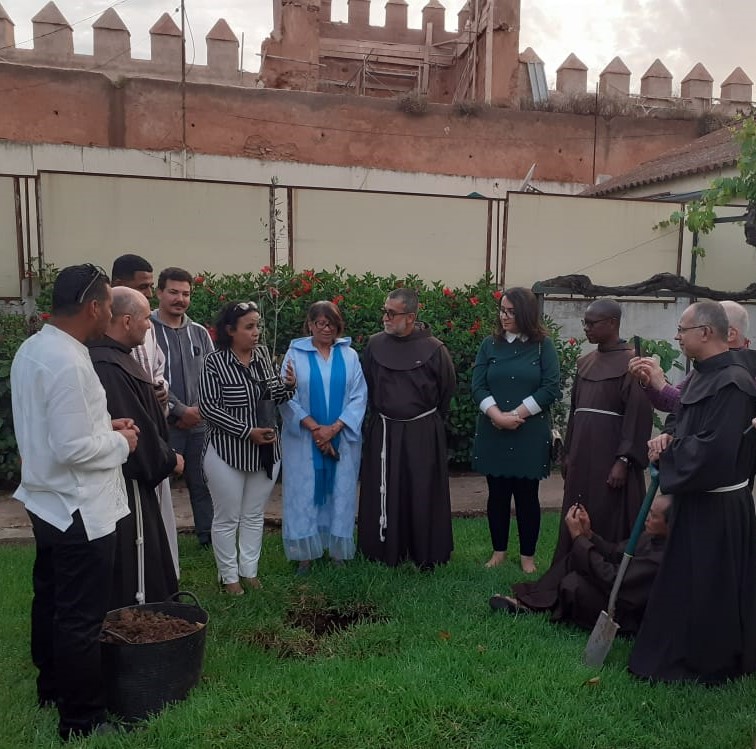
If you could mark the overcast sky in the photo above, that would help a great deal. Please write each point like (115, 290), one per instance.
(679, 32)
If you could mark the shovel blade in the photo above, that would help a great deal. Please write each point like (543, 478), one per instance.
(600, 642)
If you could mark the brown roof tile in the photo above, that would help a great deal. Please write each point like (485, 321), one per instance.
(712, 151)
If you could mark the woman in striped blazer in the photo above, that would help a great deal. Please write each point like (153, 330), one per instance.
(242, 455)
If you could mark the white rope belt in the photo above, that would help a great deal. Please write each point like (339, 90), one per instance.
(383, 519)
(731, 488)
(139, 521)
(597, 411)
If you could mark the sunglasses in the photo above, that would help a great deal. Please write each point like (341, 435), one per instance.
(96, 273)
(323, 324)
(246, 307)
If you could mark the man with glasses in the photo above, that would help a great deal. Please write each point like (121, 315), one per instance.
(609, 424)
(134, 272)
(73, 490)
(405, 507)
(185, 345)
(665, 397)
(700, 623)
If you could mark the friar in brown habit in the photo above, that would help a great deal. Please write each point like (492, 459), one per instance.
(576, 588)
(405, 507)
(609, 425)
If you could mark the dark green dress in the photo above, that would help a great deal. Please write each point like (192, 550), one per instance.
(510, 372)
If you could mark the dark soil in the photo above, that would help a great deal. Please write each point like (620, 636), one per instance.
(142, 626)
(325, 621)
(308, 625)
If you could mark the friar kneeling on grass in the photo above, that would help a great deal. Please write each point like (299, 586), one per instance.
(576, 587)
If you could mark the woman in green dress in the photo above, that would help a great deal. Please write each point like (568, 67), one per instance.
(515, 380)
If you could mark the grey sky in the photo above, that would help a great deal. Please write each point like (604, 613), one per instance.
(679, 32)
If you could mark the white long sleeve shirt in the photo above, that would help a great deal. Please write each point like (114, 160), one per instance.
(71, 457)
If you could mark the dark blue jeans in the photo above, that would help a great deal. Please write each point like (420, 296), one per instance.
(190, 443)
(72, 582)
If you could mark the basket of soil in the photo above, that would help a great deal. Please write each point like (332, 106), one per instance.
(152, 655)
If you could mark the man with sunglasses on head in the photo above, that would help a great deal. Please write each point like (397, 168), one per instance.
(609, 424)
(73, 490)
(185, 345)
(405, 507)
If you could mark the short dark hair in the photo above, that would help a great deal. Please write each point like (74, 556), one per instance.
(227, 317)
(713, 315)
(174, 274)
(526, 313)
(408, 297)
(127, 266)
(76, 286)
(328, 310)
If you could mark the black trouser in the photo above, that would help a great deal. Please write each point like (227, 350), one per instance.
(527, 509)
(190, 444)
(72, 581)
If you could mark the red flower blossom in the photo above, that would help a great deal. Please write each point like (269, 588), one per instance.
(338, 299)
(222, 297)
(44, 316)
(448, 291)
(475, 327)
(449, 324)
(308, 273)
(572, 342)
(273, 291)
(306, 287)
(474, 301)
(211, 332)
(199, 280)
(498, 294)
(266, 269)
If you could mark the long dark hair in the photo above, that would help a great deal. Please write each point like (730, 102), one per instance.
(227, 318)
(525, 306)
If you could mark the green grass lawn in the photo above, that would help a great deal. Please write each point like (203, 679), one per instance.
(437, 668)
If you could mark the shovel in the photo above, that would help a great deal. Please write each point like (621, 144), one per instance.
(605, 629)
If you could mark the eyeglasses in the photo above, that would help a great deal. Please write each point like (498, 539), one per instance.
(323, 324)
(681, 330)
(391, 314)
(507, 312)
(96, 273)
(590, 323)
(247, 307)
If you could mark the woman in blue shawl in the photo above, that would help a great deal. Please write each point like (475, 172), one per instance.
(322, 441)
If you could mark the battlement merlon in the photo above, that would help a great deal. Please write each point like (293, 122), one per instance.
(54, 47)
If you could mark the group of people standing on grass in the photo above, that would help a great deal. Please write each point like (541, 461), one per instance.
(123, 398)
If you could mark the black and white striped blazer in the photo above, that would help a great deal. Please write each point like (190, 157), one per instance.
(228, 397)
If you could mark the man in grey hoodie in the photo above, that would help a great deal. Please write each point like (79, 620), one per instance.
(185, 345)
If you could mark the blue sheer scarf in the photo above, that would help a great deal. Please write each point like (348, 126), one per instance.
(325, 465)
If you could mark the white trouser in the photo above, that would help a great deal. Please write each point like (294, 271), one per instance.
(239, 499)
(165, 501)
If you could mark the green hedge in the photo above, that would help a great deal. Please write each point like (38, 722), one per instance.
(461, 317)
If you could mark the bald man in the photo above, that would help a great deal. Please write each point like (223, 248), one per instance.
(130, 393)
(609, 426)
(665, 397)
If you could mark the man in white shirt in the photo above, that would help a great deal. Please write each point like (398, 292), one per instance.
(73, 490)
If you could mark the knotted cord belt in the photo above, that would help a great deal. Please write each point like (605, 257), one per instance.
(383, 519)
(731, 488)
(597, 411)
